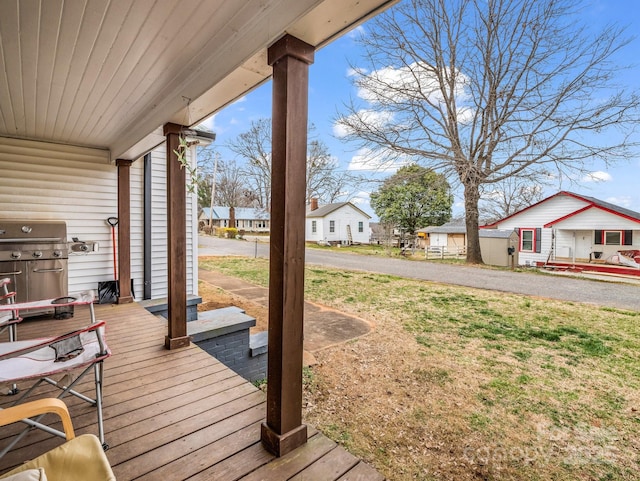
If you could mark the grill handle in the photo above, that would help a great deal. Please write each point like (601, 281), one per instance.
(57, 269)
(14, 273)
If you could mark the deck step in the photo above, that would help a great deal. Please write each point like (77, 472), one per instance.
(221, 313)
(219, 322)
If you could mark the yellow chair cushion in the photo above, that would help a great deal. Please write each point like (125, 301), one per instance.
(80, 459)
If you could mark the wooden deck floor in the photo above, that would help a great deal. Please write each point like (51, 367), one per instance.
(174, 415)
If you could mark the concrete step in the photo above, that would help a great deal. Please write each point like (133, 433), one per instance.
(219, 322)
(219, 313)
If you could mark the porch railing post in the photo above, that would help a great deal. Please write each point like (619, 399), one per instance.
(176, 242)
(283, 430)
(124, 231)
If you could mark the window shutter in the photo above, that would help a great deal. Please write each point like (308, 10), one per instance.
(598, 237)
(538, 239)
(627, 238)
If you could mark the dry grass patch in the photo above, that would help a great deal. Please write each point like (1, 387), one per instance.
(458, 383)
(215, 298)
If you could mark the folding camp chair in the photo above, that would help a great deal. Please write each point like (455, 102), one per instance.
(9, 318)
(39, 360)
(79, 458)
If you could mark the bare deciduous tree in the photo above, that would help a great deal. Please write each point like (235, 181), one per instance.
(508, 197)
(324, 180)
(485, 90)
(254, 146)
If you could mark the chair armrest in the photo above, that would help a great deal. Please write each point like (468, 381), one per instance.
(8, 295)
(34, 408)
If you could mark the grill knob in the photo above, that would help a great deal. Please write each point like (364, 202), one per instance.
(37, 254)
(16, 254)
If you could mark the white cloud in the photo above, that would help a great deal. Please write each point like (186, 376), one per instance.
(417, 77)
(361, 197)
(352, 72)
(624, 201)
(368, 117)
(415, 81)
(597, 176)
(373, 161)
(357, 32)
(240, 100)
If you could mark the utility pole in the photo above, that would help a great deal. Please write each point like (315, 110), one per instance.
(213, 191)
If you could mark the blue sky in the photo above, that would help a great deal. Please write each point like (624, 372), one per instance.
(330, 87)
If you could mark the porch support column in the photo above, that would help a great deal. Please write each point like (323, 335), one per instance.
(176, 242)
(124, 231)
(283, 430)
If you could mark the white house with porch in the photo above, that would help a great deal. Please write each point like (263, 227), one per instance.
(95, 93)
(572, 228)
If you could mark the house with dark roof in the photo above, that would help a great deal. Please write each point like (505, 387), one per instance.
(340, 223)
(573, 228)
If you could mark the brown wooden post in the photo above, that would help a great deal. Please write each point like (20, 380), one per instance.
(176, 242)
(283, 430)
(124, 231)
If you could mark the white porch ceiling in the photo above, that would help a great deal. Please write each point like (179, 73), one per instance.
(109, 73)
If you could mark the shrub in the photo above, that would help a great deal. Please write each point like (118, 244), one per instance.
(230, 232)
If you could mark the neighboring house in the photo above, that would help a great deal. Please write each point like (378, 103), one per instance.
(499, 247)
(452, 236)
(249, 219)
(341, 223)
(572, 227)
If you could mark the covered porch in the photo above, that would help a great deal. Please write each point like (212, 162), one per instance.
(177, 414)
(118, 79)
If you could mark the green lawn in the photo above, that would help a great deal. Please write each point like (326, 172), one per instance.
(457, 383)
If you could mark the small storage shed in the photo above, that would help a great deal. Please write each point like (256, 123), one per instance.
(499, 247)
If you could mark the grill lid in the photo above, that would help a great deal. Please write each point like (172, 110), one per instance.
(33, 240)
(17, 231)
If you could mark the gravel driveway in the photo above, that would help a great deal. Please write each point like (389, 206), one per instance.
(612, 294)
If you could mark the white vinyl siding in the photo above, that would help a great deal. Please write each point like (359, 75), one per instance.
(159, 252)
(44, 181)
(340, 218)
(573, 236)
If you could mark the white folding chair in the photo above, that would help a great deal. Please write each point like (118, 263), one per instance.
(9, 319)
(37, 361)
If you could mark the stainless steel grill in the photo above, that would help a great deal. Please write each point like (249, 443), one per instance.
(34, 255)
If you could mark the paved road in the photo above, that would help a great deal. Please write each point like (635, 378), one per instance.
(612, 294)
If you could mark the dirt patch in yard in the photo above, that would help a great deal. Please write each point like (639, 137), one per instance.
(215, 298)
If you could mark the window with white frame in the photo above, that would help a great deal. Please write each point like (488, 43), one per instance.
(360, 226)
(332, 226)
(314, 226)
(527, 240)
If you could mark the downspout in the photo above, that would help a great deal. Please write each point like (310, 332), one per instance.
(147, 228)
